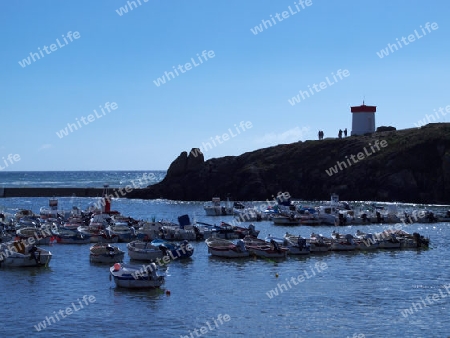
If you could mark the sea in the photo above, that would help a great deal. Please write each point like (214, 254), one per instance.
(384, 293)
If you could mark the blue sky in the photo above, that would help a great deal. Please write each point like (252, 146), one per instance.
(118, 58)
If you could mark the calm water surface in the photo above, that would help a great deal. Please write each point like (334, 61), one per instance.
(357, 294)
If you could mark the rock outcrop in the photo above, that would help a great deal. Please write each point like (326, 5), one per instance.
(411, 165)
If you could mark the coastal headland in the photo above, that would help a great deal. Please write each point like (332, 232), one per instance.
(409, 166)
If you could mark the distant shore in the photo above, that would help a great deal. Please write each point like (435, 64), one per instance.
(52, 192)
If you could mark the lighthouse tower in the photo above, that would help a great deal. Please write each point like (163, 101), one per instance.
(363, 119)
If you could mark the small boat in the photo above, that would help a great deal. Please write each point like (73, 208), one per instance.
(319, 243)
(131, 276)
(149, 231)
(174, 250)
(65, 236)
(16, 254)
(225, 248)
(105, 253)
(126, 233)
(261, 248)
(342, 242)
(365, 241)
(144, 251)
(297, 245)
(215, 208)
(292, 219)
(41, 236)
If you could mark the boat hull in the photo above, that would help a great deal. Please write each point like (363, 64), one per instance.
(132, 277)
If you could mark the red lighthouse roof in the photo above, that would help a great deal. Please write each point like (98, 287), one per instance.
(364, 109)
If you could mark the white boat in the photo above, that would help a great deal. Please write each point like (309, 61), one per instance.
(248, 215)
(16, 254)
(365, 241)
(149, 231)
(225, 248)
(297, 245)
(41, 236)
(174, 232)
(144, 251)
(342, 242)
(105, 253)
(319, 243)
(216, 208)
(131, 276)
(126, 233)
(52, 211)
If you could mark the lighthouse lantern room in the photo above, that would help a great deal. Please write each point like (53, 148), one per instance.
(363, 119)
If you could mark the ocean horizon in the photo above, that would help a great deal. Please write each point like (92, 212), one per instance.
(77, 178)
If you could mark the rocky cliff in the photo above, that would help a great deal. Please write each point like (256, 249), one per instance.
(411, 165)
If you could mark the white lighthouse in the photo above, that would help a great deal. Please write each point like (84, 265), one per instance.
(363, 119)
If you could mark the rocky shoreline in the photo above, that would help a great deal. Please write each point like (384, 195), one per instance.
(409, 166)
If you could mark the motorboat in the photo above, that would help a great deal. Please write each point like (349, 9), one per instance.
(105, 253)
(125, 233)
(261, 248)
(216, 208)
(66, 236)
(40, 236)
(342, 242)
(225, 248)
(174, 250)
(144, 251)
(17, 254)
(297, 245)
(134, 277)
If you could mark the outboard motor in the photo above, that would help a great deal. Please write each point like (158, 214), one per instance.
(275, 245)
(252, 231)
(110, 250)
(301, 242)
(241, 245)
(418, 240)
(152, 271)
(33, 254)
(164, 249)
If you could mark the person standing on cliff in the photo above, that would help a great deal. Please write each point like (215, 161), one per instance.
(345, 132)
(340, 133)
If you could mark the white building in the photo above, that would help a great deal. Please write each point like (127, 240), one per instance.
(363, 119)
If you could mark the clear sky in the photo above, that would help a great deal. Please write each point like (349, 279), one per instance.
(245, 75)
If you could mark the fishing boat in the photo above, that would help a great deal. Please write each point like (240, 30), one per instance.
(17, 254)
(215, 208)
(144, 251)
(291, 219)
(125, 233)
(149, 231)
(261, 248)
(40, 236)
(319, 243)
(66, 236)
(225, 248)
(174, 250)
(297, 245)
(134, 277)
(105, 253)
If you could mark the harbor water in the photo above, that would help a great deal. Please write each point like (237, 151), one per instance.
(384, 293)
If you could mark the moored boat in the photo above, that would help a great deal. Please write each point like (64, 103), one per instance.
(105, 253)
(225, 248)
(144, 251)
(16, 254)
(134, 277)
(65, 236)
